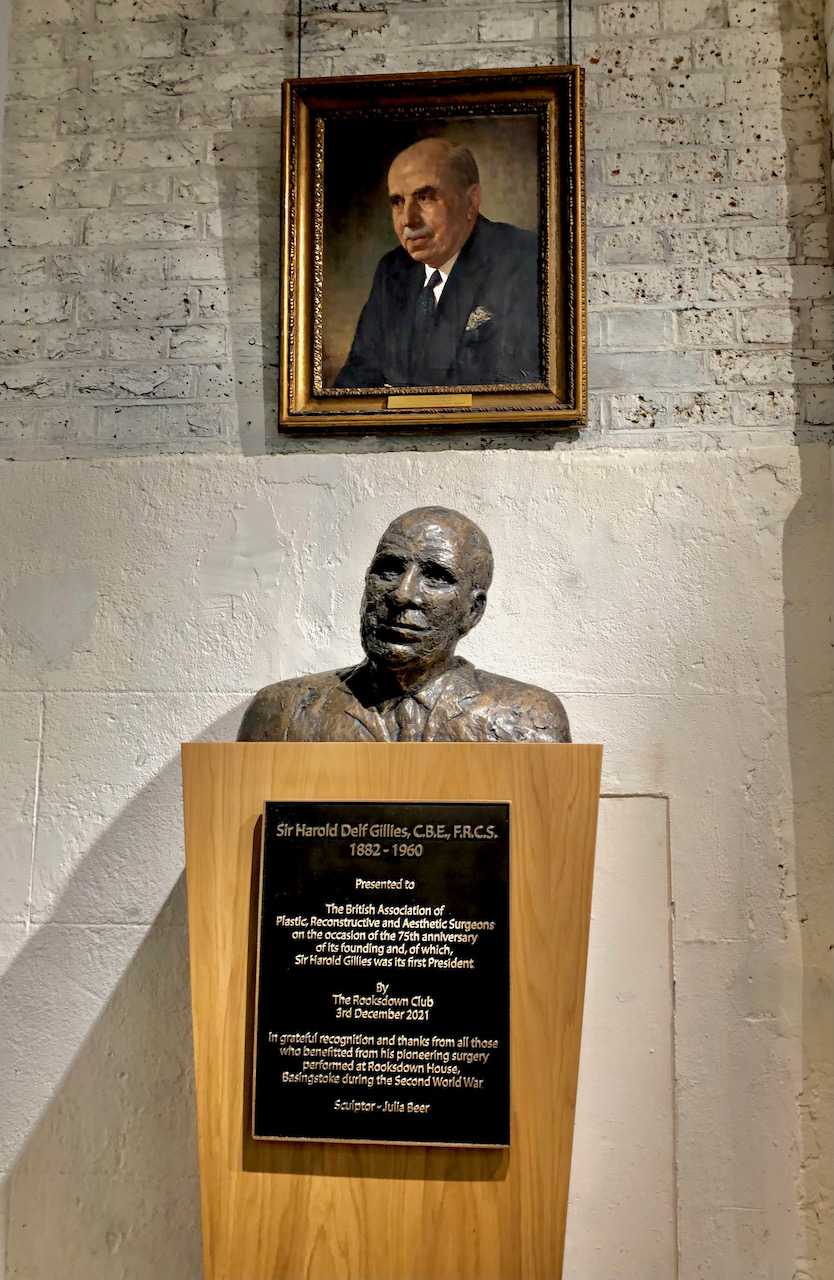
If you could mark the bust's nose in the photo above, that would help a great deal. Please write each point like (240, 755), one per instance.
(407, 590)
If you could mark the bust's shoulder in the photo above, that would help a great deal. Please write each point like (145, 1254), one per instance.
(270, 711)
(528, 711)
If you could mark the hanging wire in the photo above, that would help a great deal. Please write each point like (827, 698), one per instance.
(298, 38)
(570, 33)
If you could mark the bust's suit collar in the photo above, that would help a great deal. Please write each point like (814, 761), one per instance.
(443, 697)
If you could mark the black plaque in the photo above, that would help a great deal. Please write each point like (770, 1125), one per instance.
(383, 974)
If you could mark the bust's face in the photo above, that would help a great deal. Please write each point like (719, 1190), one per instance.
(419, 597)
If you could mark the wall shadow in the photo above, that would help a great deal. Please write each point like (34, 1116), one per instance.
(808, 575)
(95, 1023)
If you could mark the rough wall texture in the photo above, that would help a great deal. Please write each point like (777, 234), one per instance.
(142, 159)
(679, 601)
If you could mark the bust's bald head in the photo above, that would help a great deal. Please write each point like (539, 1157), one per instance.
(425, 588)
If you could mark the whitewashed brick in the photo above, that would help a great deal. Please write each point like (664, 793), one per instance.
(606, 132)
(123, 381)
(79, 268)
(27, 306)
(645, 328)
(765, 203)
(506, 26)
(644, 284)
(705, 166)
(638, 92)
(740, 125)
(707, 328)
(118, 227)
(553, 23)
(202, 420)
(649, 206)
(819, 406)
(650, 55)
(749, 280)
(150, 115)
(16, 424)
(40, 156)
(808, 162)
(216, 382)
(164, 305)
(807, 198)
(632, 244)
(130, 424)
(137, 344)
(688, 15)
(36, 229)
(21, 193)
(146, 153)
(66, 342)
(639, 410)
(19, 268)
(202, 263)
(761, 14)
(752, 408)
(46, 50)
(701, 409)
(142, 190)
(131, 42)
(197, 187)
(635, 168)
(83, 191)
(695, 89)
(206, 111)
(642, 17)
(257, 106)
(198, 342)
(698, 244)
(27, 381)
(762, 242)
(75, 422)
(816, 239)
(31, 119)
(757, 164)
(766, 324)
(822, 325)
(138, 266)
(32, 13)
(152, 10)
(768, 367)
(18, 342)
(81, 114)
(40, 82)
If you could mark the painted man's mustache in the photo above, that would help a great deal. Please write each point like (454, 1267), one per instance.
(412, 233)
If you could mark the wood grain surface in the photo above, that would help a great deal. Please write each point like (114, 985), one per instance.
(353, 1212)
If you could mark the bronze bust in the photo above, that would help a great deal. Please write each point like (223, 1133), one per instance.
(426, 587)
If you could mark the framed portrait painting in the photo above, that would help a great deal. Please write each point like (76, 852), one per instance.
(433, 252)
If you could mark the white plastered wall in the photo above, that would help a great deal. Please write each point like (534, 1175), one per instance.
(668, 572)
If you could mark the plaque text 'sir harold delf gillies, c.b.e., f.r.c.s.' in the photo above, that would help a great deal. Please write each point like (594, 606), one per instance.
(426, 587)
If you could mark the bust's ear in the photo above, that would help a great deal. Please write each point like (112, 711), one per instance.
(477, 604)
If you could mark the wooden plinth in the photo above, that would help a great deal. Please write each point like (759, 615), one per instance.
(347, 1212)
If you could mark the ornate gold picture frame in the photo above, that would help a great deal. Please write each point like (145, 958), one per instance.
(433, 252)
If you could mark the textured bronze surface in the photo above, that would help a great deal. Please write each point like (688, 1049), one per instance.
(426, 587)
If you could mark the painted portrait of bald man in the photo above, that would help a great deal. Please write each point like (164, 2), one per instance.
(457, 302)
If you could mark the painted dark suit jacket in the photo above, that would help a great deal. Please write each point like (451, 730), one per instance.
(486, 325)
(463, 705)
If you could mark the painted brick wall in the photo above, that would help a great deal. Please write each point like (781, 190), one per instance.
(138, 285)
